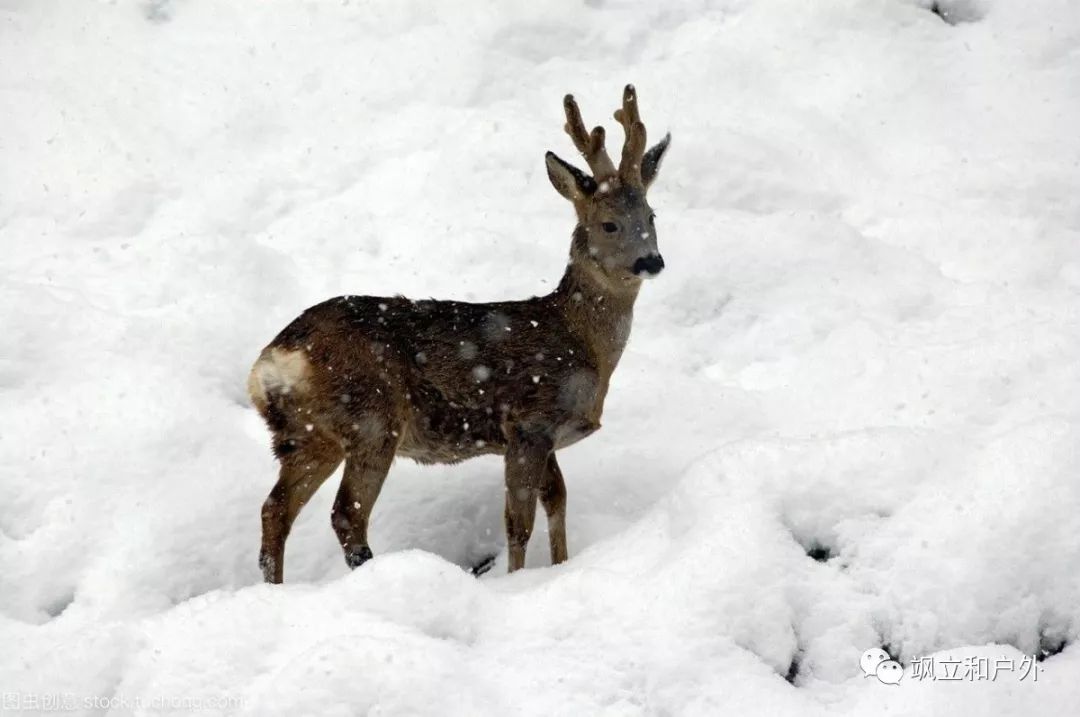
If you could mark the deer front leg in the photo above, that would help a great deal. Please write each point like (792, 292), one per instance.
(526, 468)
(553, 498)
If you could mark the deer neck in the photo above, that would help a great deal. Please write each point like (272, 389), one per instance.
(596, 309)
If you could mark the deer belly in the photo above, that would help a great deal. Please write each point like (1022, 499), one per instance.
(450, 437)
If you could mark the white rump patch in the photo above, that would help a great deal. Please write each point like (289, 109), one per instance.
(279, 371)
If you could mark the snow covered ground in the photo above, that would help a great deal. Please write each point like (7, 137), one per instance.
(848, 416)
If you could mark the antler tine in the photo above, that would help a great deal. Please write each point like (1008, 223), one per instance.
(634, 145)
(591, 145)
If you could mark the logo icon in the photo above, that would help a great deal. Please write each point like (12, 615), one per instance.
(875, 662)
(890, 672)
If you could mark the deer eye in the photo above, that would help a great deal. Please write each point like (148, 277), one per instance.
(610, 227)
(652, 218)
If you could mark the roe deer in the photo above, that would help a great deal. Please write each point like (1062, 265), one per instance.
(363, 378)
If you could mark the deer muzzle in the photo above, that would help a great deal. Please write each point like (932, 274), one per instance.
(648, 266)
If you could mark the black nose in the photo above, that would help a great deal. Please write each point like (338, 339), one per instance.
(652, 264)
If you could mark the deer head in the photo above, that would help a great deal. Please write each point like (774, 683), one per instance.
(616, 234)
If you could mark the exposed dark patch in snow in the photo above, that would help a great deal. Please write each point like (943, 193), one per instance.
(820, 553)
(793, 669)
(57, 607)
(955, 12)
(1050, 645)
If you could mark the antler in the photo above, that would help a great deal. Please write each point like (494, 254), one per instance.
(591, 145)
(634, 145)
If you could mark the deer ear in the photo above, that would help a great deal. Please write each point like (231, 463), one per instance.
(568, 180)
(650, 163)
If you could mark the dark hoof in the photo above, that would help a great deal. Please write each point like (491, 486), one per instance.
(357, 557)
(483, 566)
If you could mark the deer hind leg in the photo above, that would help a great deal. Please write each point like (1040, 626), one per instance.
(366, 466)
(526, 468)
(306, 463)
(553, 498)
